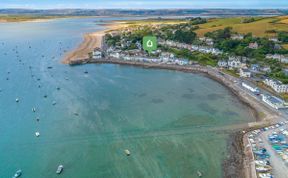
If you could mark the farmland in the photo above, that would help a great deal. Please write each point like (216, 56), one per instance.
(261, 27)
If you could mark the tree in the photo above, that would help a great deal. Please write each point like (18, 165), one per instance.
(184, 36)
(283, 36)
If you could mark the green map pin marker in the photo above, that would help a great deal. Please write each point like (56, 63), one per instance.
(149, 43)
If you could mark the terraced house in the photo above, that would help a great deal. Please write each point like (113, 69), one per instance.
(276, 85)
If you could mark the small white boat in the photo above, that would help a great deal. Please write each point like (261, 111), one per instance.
(17, 100)
(33, 109)
(37, 134)
(17, 174)
(59, 169)
(199, 174)
(127, 152)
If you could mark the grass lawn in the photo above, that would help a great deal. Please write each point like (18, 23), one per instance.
(285, 96)
(285, 46)
(155, 22)
(231, 72)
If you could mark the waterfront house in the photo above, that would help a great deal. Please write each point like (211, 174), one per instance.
(245, 73)
(276, 85)
(250, 88)
(115, 54)
(181, 62)
(234, 63)
(97, 53)
(253, 45)
(166, 56)
(222, 64)
(273, 101)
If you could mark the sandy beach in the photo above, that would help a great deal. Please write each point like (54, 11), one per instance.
(90, 42)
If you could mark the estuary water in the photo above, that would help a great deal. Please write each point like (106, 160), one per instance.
(173, 123)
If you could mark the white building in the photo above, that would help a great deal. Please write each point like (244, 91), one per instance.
(248, 87)
(245, 73)
(279, 57)
(237, 37)
(165, 56)
(274, 39)
(223, 64)
(114, 54)
(255, 67)
(253, 45)
(234, 63)
(97, 54)
(273, 101)
(208, 41)
(276, 85)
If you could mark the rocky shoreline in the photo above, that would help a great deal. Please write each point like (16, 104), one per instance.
(233, 166)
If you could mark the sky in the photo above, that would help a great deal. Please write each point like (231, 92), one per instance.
(145, 4)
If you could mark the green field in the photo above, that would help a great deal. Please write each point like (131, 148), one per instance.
(153, 22)
(259, 27)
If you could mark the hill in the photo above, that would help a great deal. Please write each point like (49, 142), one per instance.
(259, 26)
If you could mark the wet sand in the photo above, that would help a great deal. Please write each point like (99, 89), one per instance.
(89, 43)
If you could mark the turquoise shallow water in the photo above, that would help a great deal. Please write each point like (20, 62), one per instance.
(172, 122)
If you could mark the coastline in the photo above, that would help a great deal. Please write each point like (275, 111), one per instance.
(238, 162)
(90, 42)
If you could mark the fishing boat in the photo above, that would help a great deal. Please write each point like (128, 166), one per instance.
(17, 174)
(59, 169)
(199, 174)
(37, 134)
(127, 152)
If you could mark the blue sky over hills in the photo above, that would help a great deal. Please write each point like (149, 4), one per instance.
(147, 4)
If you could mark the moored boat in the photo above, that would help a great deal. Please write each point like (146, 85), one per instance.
(199, 174)
(59, 169)
(37, 134)
(127, 152)
(17, 174)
